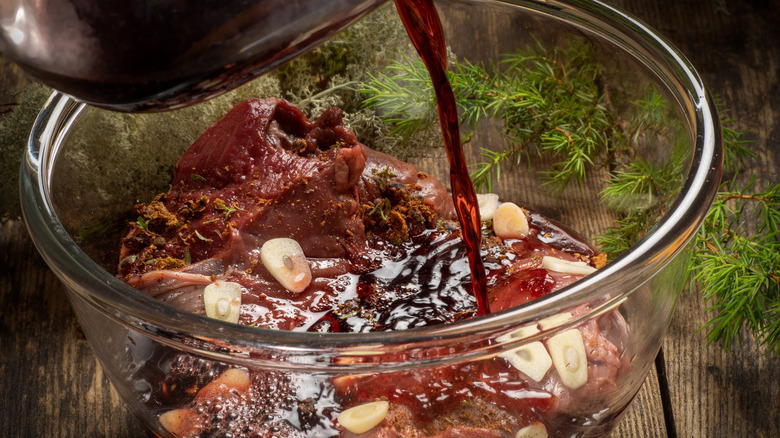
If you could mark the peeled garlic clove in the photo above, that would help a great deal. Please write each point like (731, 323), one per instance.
(533, 430)
(553, 321)
(179, 422)
(222, 300)
(567, 266)
(519, 333)
(233, 379)
(510, 222)
(285, 260)
(532, 360)
(568, 355)
(236, 378)
(362, 418)
(488, 203)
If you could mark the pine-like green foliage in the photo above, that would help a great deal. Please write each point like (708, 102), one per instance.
(736, 264)
(641, 190)
(555, 104)
(549, 103)
(736, 257)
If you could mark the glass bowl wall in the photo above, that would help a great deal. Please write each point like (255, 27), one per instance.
(86, 168)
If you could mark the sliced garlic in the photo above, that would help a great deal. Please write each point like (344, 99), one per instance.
(362, 418)
(510, 222)
(222, 300)
(523, 332)
(568, 355)
(567, 266)
(285, 260)
(488, 203)
(348, 382)
(556, 320)
(533, 430)
(531, 359)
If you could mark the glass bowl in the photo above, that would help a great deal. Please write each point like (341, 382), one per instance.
(86, 168)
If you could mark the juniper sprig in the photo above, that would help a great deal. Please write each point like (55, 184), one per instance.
(736, 264)
(550, 104)
(556, 104)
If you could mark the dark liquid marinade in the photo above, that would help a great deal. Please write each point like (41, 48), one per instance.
(427, 281)
(434, 278)
(424, 281)
(422, 23)
(469, 397)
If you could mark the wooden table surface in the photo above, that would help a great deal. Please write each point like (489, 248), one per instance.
(52, 386)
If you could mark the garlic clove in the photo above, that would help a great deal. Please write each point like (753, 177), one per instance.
(235, 378)
(222, 300)
(533, 430)
(510, 222)
(362, 418)
(348, 382)
(284, 259)
(519, 333)
(567, 266)
(568, 355)
(488, 203)
(180, 422)
(531, 359)
(556, 320)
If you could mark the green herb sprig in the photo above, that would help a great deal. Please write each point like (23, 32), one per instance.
(562, 109)
(737, 264)
(548, 107)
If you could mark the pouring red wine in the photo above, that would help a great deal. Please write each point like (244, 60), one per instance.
(281, 222)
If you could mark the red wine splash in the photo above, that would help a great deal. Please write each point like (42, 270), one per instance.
(424, 28)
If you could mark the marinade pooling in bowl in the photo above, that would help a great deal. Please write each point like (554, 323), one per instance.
(197, 375)
(378, 248)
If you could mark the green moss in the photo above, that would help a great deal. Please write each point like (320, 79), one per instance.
(14, 130)
(113, 160)
(111, 156)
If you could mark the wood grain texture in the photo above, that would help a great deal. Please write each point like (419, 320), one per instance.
(51, 385)
(735, 47)
(50, 382)
(644, 418)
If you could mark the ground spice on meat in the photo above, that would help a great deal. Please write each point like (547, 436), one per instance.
(157, 216)
(386, 253)
(391, 217)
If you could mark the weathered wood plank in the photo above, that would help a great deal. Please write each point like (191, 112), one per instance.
(734, 47)
(51, 383)
(55, 388)
(644, 418)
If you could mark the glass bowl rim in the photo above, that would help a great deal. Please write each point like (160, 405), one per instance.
(169, 324)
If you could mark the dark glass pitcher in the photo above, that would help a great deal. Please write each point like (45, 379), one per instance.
(151, 55)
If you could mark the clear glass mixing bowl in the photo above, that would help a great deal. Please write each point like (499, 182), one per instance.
(86, 168)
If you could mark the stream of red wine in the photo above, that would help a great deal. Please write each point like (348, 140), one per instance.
(424, 28)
